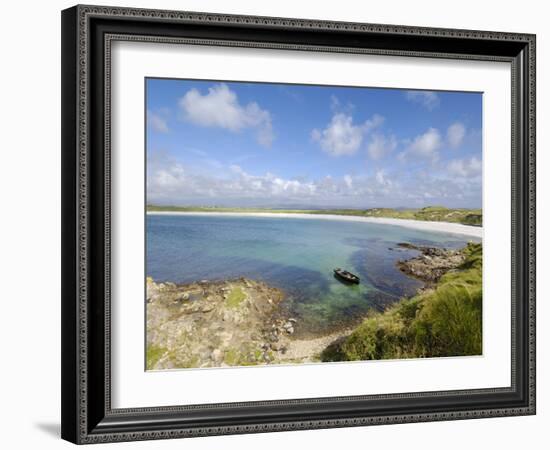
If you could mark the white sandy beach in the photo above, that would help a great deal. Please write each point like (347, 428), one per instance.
(443, 227)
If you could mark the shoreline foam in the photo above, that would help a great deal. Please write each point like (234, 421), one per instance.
(440, 227)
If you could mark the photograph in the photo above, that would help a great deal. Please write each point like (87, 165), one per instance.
(273, 222)
(292, 223)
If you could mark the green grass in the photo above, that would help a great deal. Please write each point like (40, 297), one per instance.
(430, 213)
(442, 214)
(231, 357)
(246, 355)
(153, 356)
(442, 322)
(235, 298)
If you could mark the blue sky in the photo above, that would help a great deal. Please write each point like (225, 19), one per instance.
(274, 145)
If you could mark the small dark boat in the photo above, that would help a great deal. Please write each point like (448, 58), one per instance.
(346, 276)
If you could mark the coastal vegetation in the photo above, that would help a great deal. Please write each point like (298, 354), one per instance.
(235, 297)
(442, 320)
(430, 213)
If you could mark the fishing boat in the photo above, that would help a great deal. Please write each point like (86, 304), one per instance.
(346, 276)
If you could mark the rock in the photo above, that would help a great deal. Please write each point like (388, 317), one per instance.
(288, 327)
(169, 365)
(407, 245)
(217, 355)
(292, 320)
(196, 326)
(151, 290)
(431, 264)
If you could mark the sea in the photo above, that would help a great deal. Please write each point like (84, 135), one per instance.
(297, 255)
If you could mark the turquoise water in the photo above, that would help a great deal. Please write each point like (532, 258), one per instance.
(295, 254)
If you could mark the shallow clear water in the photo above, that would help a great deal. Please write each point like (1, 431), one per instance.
(295, 254)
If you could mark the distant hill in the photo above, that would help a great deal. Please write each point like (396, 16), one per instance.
(429, 213)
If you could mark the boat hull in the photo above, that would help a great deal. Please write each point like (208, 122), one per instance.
(346, 277)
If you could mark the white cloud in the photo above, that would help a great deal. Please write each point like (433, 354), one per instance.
(157, 122)
(337, 106)
(167, 179)
(334, 103)
(170, 181)
(348, 180)
(465, 168)
(380, 146)
(425, 146)
(381, 178)
(341, 136)
(455, 134)
(220, 107)
(270, 185)
(428, 99)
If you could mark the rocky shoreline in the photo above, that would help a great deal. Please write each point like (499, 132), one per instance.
(431, 264)
(222, 324)
(239, 322)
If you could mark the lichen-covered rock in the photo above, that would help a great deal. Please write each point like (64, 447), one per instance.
(211, 323)
(432, 263)
(224, 324)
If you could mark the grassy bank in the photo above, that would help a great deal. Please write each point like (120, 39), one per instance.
(429, 213)
(445, 321)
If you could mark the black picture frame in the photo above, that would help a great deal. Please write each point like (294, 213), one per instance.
(87, 415)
